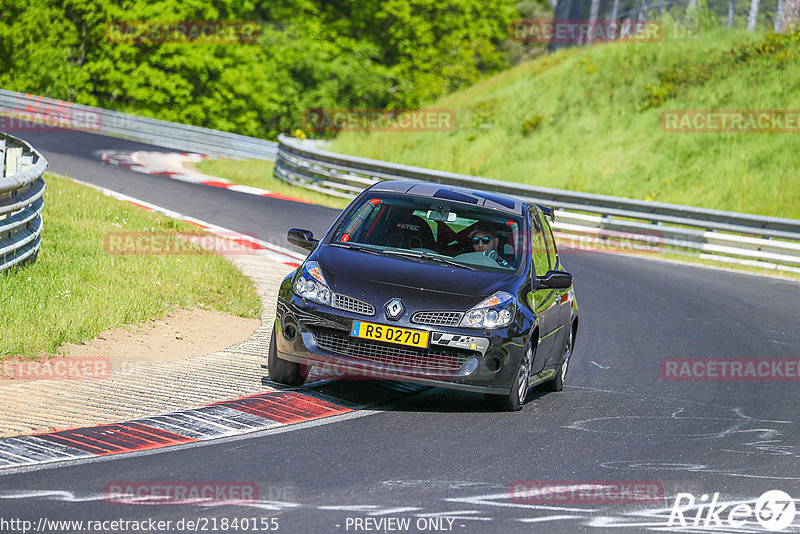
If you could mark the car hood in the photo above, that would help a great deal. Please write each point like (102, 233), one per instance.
(425, 285)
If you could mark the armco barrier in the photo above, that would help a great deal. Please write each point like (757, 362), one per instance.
(742, 238)
(30, 111)
(21, 200)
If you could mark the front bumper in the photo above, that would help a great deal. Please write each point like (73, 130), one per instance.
(458, 358)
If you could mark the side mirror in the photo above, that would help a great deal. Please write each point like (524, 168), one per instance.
(302, 238)
(554, 280)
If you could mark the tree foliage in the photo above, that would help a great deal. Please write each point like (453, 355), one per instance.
(311, 54)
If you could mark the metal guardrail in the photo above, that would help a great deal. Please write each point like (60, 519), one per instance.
(21, 200)
(756, 240)
(21, 111)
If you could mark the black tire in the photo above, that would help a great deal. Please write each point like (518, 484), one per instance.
(283, 371)
(516, 398)
(557, 384)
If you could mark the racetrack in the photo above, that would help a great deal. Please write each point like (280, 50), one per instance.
(440, 454)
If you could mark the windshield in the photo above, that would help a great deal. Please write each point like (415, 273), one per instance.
(428, 229)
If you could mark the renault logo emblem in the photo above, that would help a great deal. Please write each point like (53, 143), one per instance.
(394, 309)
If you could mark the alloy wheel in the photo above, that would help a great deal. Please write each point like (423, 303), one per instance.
(524, 374)
(567, 354)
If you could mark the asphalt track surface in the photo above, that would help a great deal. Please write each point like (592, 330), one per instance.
(440, 454)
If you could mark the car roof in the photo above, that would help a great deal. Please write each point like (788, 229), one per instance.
(453, 193)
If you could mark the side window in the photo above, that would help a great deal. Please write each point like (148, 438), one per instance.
(540, 261)
(552, 252)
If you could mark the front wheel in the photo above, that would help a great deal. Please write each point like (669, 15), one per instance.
(516, 398)
(283, 371)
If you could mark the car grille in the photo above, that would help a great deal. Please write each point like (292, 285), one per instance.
(396, 358)
(343, 302)
(437, 318)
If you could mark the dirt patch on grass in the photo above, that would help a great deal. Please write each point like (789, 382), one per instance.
(181, 334)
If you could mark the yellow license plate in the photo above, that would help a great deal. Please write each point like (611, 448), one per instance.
(389, 334)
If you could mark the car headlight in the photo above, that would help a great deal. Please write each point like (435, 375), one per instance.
(311, 284)
(494, 312)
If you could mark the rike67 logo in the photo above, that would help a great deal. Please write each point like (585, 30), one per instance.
(774, 511)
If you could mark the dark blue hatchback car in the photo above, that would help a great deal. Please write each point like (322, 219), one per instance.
(441, 285)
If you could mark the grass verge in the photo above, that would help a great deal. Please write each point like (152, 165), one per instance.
(588, 119)
(76, 290)
(258, 173)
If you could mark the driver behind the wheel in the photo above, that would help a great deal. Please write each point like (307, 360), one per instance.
(484, 240)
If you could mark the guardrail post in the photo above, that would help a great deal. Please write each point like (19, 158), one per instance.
(12, 161)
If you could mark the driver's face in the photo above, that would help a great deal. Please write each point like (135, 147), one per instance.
(482, 242)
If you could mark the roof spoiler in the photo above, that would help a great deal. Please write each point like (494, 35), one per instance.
(548, 211)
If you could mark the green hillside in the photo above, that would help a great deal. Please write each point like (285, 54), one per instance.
(587, 119)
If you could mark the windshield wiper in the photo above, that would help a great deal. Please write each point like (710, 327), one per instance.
(352, 246)
(438, 259)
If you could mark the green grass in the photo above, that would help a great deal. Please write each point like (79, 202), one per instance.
(258, 173)
(75, 290)
(587, 119)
